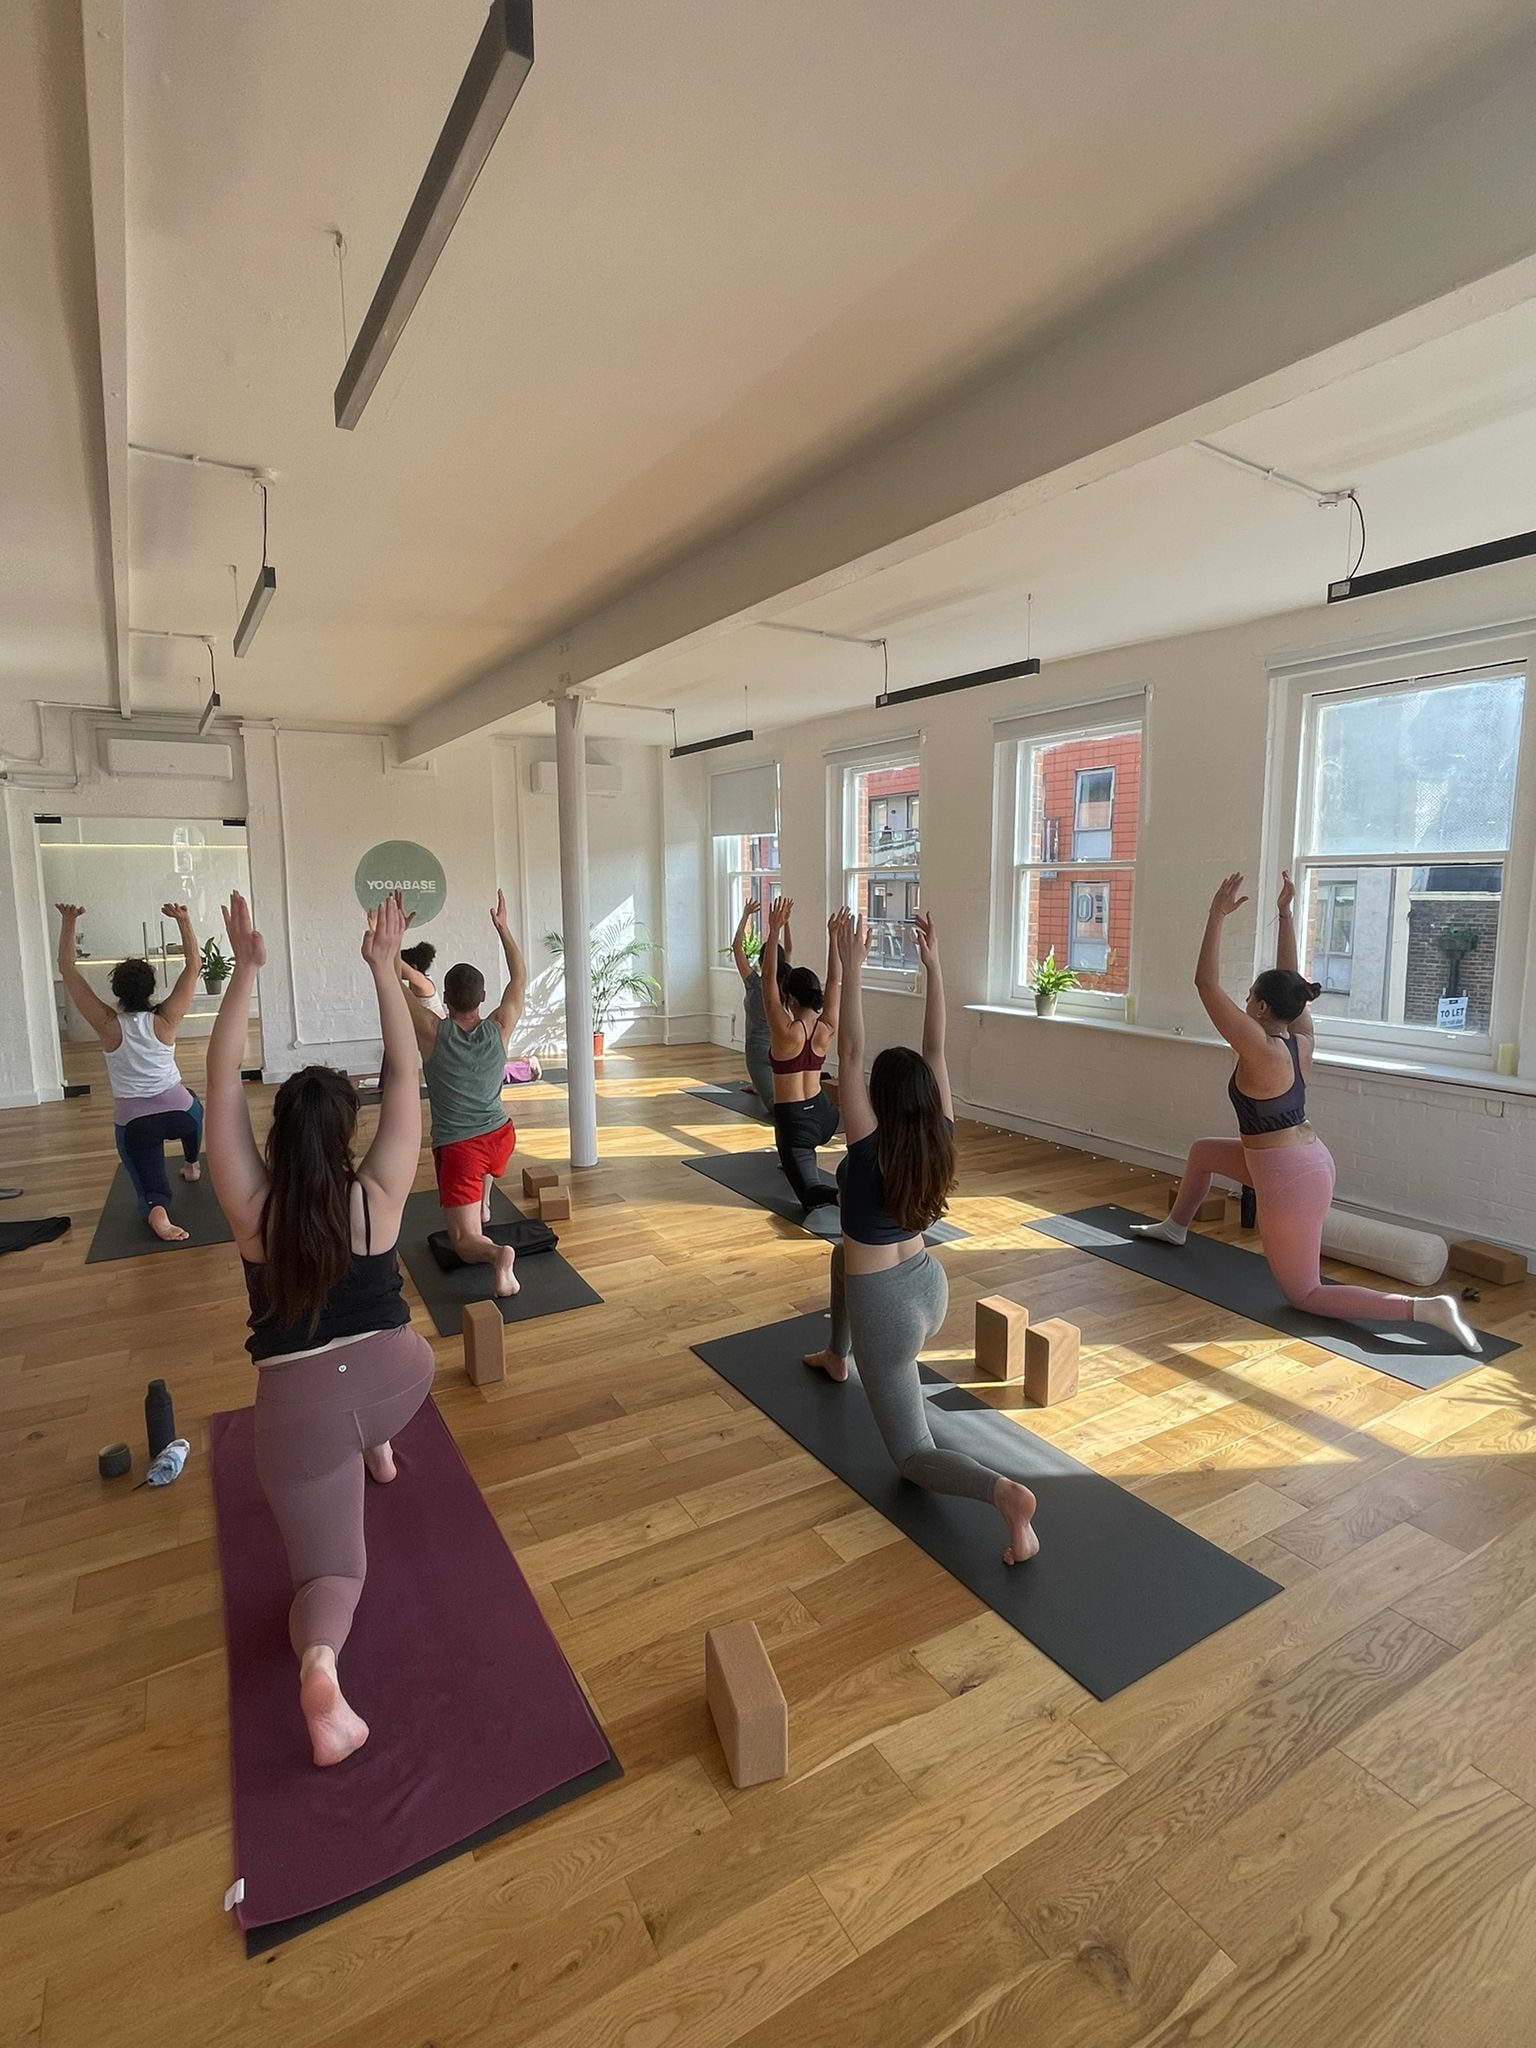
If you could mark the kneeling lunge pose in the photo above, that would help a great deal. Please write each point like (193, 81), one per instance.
(889, 1294)
(757, 1039)
(1278, 1154)
(802, 1023)
(341, 1370)
(151, 1105)
(464, 1059)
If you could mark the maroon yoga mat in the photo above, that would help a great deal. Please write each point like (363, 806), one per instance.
(477, 1721)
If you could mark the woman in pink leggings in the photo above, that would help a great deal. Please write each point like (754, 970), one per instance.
(1278, 1154)
(341, 1370)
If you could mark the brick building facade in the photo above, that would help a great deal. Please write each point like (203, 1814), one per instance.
(1087, 803)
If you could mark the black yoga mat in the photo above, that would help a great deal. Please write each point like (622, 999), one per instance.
(1239, 1280)
(759, 1176)
(1117, 1588)
(122, 1233)
(549, 1285)
(476, 1721)
(20, 1237)
(743, 1101)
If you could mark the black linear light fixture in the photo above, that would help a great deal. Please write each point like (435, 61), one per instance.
(263, 591)
(502, 59)
(210, 710)
(724, 739)
(973, 681)
(1512, 549)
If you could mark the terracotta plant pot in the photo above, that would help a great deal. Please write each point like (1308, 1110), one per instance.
(1045, 1003)
(597, 1045)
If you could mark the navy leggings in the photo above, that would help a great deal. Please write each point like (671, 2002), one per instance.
(141, 1147)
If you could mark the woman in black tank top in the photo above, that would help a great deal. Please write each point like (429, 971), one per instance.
(1277, 1153)
(340, 1370)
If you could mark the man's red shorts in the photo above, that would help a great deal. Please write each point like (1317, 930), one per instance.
(463, 1165)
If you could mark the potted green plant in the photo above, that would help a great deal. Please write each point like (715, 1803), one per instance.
(217, 966)
(616, 977)
(1048, 980)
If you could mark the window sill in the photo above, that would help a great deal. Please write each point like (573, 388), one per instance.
(1476, 1078)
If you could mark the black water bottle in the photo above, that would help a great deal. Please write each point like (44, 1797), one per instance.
(159, 1417)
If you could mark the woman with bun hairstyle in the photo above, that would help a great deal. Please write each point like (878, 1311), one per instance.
(1277, 1152)
(802, 1015)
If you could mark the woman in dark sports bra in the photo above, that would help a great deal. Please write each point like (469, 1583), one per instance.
(1277, 1152)
(802, 1023)
(340, 1370)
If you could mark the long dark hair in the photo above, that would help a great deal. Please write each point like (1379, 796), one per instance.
(1285, 993)
(914, 1144)
(802, 986)
(306, 1220)
(133, 983)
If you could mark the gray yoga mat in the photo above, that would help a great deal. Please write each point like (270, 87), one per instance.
(550, 1285)
(759, 1176)
(1232, 1278)
(1118, 1588)
(122, 1233)
(743, 1101)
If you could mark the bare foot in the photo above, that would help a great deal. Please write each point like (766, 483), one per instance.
(1016, 1505)
(507, 1281)
(335, 1732)
(832, 1363)
(164, 1228)
(380, 1460)
(192, 1171)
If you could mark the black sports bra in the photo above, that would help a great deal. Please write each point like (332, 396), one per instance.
(861, 1190)
(366, 1298)
(1259, 1113)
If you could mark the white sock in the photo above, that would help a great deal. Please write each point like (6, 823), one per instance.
(1442, 1311)
(1165, 1233)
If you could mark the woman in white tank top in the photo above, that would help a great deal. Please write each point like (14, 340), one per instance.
(151, 1105)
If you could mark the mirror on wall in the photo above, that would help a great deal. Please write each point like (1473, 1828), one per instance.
(123, 870)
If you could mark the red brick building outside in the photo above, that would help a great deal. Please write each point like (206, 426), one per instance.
(1087, 803)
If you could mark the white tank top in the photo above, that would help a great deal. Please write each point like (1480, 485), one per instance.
(141, 1065)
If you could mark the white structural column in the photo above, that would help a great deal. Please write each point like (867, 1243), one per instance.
(576, 924)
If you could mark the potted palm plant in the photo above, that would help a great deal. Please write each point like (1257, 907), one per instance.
(1048, 980)
(616, 976)
(217, 966)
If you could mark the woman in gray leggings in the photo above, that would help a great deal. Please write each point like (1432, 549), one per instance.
(889, 1297)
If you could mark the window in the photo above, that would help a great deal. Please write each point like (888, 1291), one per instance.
(1411, 834)
(747, 866)
(744, 825)
(882, 853)
(1069, 781)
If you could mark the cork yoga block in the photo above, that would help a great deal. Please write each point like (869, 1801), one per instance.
(1000, 1328)
(485, 1337)
(1488, 1262)
(536, 1177)
(1212, 1210)
(554, 1204)
(1050, 1361)
(746, 1704)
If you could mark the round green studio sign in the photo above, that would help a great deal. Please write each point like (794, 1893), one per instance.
(402, 864)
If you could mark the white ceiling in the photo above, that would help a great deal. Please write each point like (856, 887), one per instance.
(717, 246)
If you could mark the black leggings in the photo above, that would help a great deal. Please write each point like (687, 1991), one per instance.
(798, 1128)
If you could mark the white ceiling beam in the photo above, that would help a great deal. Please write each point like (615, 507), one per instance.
(101, 28)
(1426, 222)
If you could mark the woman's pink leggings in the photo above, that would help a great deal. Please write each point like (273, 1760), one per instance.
(1294, 1186)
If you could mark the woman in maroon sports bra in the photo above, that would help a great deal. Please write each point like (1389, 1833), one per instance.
(802, 1024)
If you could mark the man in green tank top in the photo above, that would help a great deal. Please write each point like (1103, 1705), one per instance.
(463, 1060)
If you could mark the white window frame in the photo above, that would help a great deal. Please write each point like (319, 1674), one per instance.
(1014, 742)
(765, 882)
(1298, 690)
(842, 871)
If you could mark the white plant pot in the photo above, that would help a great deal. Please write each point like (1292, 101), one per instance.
(1045, 1005)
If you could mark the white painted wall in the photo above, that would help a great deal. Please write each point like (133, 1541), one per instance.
(1459, 1159)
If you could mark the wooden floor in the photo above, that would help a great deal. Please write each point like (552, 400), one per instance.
(1316, 1828)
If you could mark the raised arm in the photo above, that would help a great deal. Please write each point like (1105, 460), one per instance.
(779, 1019)
(1231, 1020)
(389, 1166)
(935, 1019)
(510, 1008)
(179, 1001)
(738, 939)
(239, 1174)
(101, 1016)
(419, 985)
(851, 938)
(832, 987)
